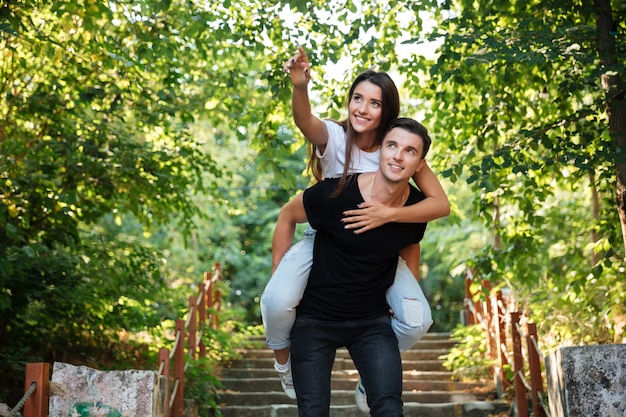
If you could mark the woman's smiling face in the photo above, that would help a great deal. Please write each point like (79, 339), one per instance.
(365, 107)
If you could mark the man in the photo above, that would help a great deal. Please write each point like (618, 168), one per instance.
(344, 301)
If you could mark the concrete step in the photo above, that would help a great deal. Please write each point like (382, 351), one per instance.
(417, 354)
(251, 387)
(346, 397)
(470, 409)
(348, 382)
(412, 374)
(341, 363)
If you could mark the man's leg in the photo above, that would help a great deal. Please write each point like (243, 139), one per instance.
(313, 347)
(374, 350)
(412, 317)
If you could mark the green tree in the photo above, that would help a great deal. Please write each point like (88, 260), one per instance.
(96, 148)
(118, 119)
(519, 95)
(87, 133)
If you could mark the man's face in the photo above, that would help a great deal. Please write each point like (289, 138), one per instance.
(401, 155)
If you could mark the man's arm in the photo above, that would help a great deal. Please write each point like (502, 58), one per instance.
(291, 214)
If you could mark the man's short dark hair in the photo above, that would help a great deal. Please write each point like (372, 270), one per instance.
(415, 127)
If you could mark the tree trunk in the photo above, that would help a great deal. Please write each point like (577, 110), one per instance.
(595, 215)
(616, 102)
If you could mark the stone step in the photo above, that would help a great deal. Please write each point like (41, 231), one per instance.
(269, 372)
(347, 382)
(340, 364)
(470, 409)
(413, 354)
(440, 342)
(251, 387)
(346, 397)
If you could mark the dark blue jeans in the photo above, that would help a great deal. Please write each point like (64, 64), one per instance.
(374, 350)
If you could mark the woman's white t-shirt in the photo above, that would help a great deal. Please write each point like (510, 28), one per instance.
(334, 156)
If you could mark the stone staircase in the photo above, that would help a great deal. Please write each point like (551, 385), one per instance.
(251, 387)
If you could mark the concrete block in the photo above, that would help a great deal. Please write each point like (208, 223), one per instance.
(85, 392)
(587, 381)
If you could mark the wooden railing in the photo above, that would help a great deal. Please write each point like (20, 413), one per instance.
(512, 345)
(204, 311)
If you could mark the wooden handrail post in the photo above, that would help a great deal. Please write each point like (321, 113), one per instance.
(209, 300)
(37, 404)
(500, 323)
(195, 325)
(492, 349)
(484, 303)
(178, 407)
(191, 337)
(518, 366)
(218, 308)
(218, 294)
(534, 364)
(202, 316)
(164, 366)
(493, 315)
(469, 315)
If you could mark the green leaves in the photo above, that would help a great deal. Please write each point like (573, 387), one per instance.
(177, 115)
(515, 99)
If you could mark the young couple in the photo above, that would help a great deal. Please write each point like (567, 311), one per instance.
(345, 266)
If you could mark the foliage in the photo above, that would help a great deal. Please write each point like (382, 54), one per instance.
(143, 141)
(201, 383)
(85, 135)
(595, 302)
(201, 386)
(468, 359)
(237, 224)
(446, 248)
(97, 155)
(516, 95)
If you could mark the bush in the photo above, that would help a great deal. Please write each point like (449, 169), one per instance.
(468, 360)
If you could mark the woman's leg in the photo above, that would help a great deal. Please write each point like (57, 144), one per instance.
(280, 298)
(284, 291)
(412, 313)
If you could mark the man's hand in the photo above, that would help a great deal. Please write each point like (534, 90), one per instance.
(368, 216)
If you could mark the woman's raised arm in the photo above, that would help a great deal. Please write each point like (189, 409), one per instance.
(313, 129)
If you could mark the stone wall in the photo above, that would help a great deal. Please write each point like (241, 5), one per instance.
(79, 391)
(587, 381)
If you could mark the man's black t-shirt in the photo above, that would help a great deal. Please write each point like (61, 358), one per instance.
(351, 272)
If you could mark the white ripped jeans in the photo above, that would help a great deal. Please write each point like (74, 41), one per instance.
(412, 315)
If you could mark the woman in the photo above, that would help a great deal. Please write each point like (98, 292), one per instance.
(341, 148)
